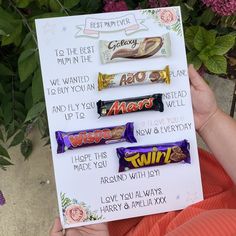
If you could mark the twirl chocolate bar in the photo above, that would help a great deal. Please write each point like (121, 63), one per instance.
(153, 155)
(128, 105)
(133, 78)
(120, 50)
(83, 138)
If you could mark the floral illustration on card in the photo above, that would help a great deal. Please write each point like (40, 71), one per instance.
(75, 211)
(166, 17)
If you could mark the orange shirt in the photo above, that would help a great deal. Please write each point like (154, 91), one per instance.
(215, 215)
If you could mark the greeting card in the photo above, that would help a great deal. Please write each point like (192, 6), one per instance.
(120, 116)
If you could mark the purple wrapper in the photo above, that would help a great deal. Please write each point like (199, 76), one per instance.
(153, 155)
(83, 138)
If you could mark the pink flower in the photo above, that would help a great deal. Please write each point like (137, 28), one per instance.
(75, 213)
(157, 3)
(221, 7)
(202, 71)
(112, 5)
(153, 3)
(167, 16)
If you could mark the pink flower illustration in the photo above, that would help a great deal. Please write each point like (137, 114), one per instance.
(75, 213)
(167, 16)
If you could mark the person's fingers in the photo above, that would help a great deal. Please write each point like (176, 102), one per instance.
(73, 232)
(57, 229)
(195, 79)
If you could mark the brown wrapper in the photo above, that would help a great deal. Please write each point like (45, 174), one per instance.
(133, 78)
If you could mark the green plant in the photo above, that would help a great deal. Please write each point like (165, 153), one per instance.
(208, 49)
(22, 106)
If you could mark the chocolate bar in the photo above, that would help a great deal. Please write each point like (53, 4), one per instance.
(133, 78)
(153, 155)
(128, 105)
(120, 50)
(83, 138)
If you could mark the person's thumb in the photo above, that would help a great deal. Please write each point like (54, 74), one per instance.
(56, 229)
(195, 79)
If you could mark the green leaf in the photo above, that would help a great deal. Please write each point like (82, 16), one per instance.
(37, 86)
(131, 4)
(19, 106)
(7, 113)
(207, 16)
(90, 5)
(26, 40)
(228, 21)
(205, 53)
(18, 138)
(35, 111)
(203, 38)
(185, 12)
(70, 3)
(216, 64)
(19, 96)
(4, 70)
(54, 5)
(28, 98)
(26, 148)
(222, 45)
(13, 36)
(2, 91)
(4, 162)
(22, 3)
(11, 129)
(1, 135)
(193, 59)
(6, 15)
(20, 115)
(4, 152)
(191, 2)
(27, 63)
(42, 3)
(190, 33)
(2, 32)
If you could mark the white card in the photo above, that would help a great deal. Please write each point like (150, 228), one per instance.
(90, 187)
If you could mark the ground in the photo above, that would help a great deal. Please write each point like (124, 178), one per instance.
(29, 186)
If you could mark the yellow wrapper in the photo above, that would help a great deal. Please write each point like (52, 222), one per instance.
(133, 78)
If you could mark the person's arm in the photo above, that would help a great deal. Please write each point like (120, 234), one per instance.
(217, 129)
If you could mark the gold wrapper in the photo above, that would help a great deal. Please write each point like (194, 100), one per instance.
(133, 78)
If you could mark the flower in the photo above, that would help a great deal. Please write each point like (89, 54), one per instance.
(75, 213)
(158, 3)
(167, 16)
(2, 199)
(202, 71)
(221, 7)
(153, 3)
(112, 5)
